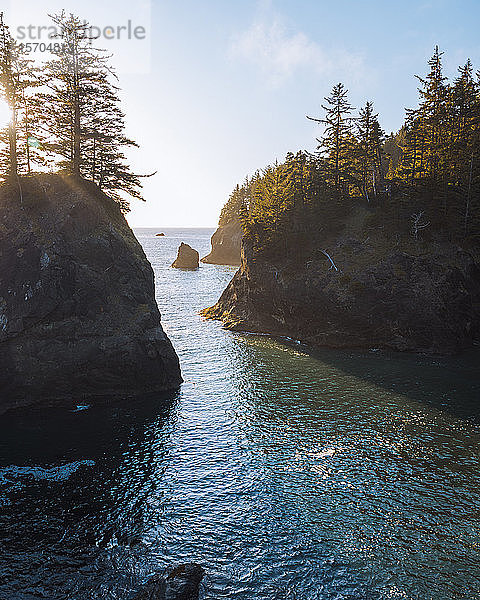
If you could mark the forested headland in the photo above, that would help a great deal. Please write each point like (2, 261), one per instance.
(65, 114)
(419, 182)
(372, 241)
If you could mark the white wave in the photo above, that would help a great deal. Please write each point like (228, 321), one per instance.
(57, 473)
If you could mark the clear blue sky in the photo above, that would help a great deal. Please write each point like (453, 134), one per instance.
(229, 83)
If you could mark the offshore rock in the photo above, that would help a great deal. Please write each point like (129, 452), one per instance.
(187, 258)
(78, 316)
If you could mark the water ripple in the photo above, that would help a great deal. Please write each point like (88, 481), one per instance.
(287, 475)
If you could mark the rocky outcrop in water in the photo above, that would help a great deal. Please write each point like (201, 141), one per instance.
(226, 245)
(180, 584)
(374, 293)
(78, 316)
(187, 258)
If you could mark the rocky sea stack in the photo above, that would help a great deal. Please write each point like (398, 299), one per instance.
(226, 245)
(78, 316)
(187, 258)
(354, 286)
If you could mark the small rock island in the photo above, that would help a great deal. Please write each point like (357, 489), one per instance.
(78, 315)
(187, 258)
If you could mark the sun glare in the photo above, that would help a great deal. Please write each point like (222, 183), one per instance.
(5, 114)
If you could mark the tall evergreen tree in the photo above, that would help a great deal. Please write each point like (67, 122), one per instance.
(18, 77)
(370, 137)
(465, 138)
(432, 118)
(336, 142)
(13, 82)
(82, 113)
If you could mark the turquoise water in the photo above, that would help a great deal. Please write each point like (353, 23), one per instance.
(287, 475)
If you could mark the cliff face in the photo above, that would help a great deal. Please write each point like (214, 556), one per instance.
(78, 316)
(226, 245)
(414, 297)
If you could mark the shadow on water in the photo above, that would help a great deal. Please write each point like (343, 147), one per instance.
(447, 383)
(74, 483)
(375, 455)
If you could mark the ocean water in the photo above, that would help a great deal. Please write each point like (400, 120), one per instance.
(286, 474)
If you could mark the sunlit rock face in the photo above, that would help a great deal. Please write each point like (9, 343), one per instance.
(187, 258)
(364, 292)
(78, 316)
(226, 245)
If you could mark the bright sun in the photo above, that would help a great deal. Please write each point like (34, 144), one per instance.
(5, 114)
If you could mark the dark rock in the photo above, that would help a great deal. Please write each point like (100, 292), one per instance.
(187, 258)
(160, 234)
(78, 315)
(183, 582)
(180, 584)
(154, 589)
(226, 245)
(384, 295)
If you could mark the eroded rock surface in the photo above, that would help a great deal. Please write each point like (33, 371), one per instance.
(187, 258)
(78, 316)
(377, 294)
(226, 245)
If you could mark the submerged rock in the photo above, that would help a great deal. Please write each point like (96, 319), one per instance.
(226, 245)
(78, 316)
(180, 584)
(357, 290)
(187, 258)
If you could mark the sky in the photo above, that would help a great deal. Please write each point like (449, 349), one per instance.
(214, 90)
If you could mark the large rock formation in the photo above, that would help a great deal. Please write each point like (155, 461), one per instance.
(78, 316)
(385, 294)
(226, 245)
(187, 258)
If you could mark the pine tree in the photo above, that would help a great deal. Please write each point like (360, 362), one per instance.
(11, 67)
(370, 137)
(18, 77)
(465, 139)
(9, 80)
(299, 169)
(432, 118)
(82, 113)
(336, 142)
(103, 135)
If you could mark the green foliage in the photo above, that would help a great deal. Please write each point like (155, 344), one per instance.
(66, 114)
(441, 145)
(337, 143)
(236, 204)
(368, 154)
(423, 180)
